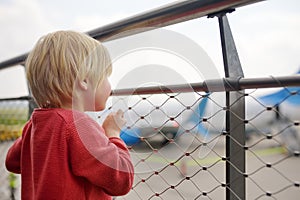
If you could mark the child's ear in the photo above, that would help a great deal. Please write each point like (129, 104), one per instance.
(83, 84)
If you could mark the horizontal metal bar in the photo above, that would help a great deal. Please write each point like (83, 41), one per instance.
(215, 85)
(269, 82)
(28, 98)
(19, 60)
(166, 15)
(169, 14)
(212, 85)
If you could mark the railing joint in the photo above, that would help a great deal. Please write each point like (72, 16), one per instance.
(221, 13)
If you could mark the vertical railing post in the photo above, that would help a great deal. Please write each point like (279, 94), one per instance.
(235, 115)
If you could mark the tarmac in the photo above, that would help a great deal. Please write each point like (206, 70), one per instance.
(187, 170)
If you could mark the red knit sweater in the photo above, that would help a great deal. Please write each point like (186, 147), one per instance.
(65, 154)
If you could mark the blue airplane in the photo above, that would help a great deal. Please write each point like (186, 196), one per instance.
(285, 104)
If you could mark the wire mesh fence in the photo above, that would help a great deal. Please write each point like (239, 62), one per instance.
(178, 143)
(273, 142)
(182, 155)
(172, 158)
(274, 148)
(193, 141)
(13, 116)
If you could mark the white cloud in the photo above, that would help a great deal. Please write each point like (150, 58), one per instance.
(268, 41)
(22, 24)
(266, 33)
(13, 82)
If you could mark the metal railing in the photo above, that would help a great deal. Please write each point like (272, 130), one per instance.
(233, 84)
(164, 16)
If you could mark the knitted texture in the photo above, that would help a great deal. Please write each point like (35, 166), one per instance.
(65, 154)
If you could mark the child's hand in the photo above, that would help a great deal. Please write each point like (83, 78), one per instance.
(113, 124)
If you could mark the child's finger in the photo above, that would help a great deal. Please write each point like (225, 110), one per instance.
(120, 113)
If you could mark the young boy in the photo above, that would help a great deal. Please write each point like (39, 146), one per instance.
(63, 153)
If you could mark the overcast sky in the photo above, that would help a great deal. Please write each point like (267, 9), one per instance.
(266, 33)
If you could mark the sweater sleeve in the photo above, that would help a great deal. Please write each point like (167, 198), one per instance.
(104, 162)
(13, 157)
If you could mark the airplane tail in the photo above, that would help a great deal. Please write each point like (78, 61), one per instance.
(130, 136)
(287, 94)
(195, 121)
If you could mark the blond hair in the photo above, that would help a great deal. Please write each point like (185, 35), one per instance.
(58, 59)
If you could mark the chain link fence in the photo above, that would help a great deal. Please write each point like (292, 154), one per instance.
(178, 144)
(230, 138)
(184, 154)
(13, 115)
